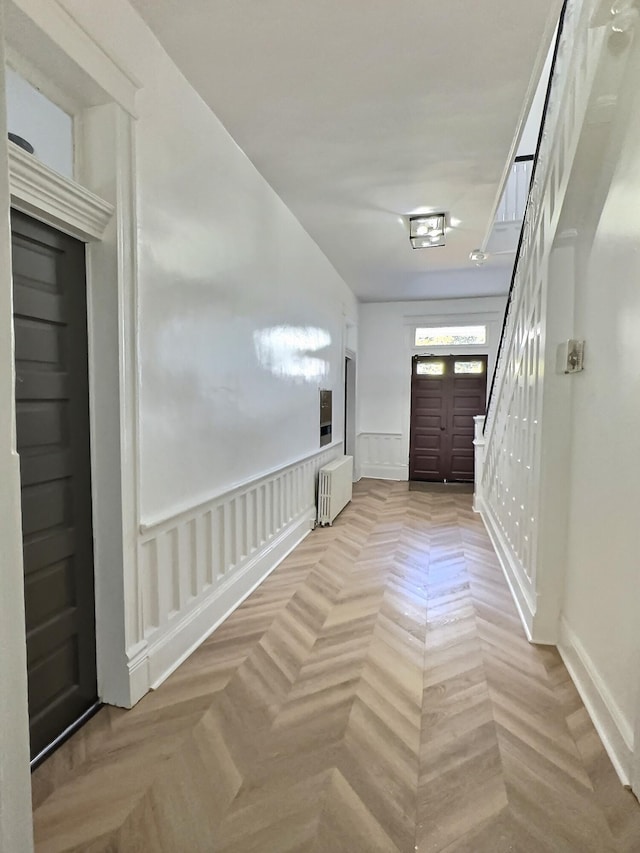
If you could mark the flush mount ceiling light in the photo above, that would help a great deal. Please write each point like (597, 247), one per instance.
(478, 257)
(427, 231)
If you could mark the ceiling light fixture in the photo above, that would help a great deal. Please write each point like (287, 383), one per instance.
(427, 232)
(478, 256)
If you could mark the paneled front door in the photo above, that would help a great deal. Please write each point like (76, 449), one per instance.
(446, 393)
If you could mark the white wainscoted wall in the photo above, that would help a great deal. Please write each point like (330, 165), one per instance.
(561, 480)
(382, 455)
(384, 371)
(198, 565)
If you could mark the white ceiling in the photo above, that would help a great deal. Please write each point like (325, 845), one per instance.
(359, 113)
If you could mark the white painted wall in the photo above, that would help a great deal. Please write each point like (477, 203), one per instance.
(41, 122)
(242, 318)
(384, 371)
(602, 597)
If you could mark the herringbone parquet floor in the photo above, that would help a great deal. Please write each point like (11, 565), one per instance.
(376, 693)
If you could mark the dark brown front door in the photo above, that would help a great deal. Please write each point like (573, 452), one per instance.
(52, 413)
(446, 393)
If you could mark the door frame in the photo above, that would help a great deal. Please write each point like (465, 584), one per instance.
(16, 831)
(48, 47)
(493, 322)
(443, 355)
(29, 231)
(350, 406)
(75, 72)
(635, 756)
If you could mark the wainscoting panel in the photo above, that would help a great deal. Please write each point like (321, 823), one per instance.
(199, 565)
(383, 455)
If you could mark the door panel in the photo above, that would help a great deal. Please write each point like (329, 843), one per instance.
(442, 410)
(52, 422)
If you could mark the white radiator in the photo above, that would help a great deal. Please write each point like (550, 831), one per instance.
(334, 488)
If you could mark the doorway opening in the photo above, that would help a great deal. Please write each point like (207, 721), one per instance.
(350, 407)
(446, 393)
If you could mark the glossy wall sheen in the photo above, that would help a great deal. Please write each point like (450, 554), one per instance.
(241, 317)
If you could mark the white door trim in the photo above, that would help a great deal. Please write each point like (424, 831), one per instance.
(635, 755)
(101, 210)
(43, 194)
(46, 37)
(491, 319)
(16, 831)
(350, 438)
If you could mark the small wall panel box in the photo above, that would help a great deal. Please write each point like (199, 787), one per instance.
(570, 358)
(334, 489)
(326, 417)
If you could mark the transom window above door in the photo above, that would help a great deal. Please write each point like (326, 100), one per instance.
(448, 336)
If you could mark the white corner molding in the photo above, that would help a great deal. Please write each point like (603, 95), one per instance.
(44, 194)
(614, 731)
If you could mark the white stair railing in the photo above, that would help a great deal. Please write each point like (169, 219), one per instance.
(508, 494)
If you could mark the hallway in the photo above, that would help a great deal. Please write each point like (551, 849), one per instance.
(376, 693)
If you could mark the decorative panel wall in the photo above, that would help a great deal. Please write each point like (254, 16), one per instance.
(511, 475)
(198, 565)
(383, 455)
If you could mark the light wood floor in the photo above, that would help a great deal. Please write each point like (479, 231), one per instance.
(376, 693)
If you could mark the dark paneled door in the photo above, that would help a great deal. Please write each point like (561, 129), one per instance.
(446, 393)
(52, 410)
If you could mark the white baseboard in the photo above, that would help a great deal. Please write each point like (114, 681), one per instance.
(519, 592)
(384, 472)
(138, 677)
(615, 733)
(164, 655)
